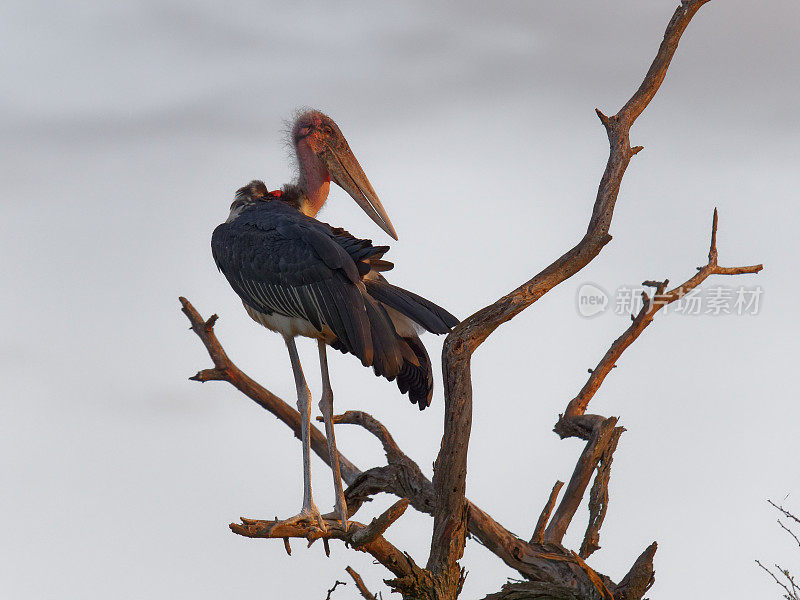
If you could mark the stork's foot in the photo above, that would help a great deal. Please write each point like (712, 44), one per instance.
(338, 514)
(309, 514)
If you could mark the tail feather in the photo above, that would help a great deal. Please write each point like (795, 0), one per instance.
(388, 356)
(401, 357)
(417, 380)
(422, 311)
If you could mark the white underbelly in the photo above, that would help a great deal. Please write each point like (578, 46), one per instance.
(289, 326)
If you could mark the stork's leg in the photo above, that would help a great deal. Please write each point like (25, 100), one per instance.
(326, 406)
(309, 510)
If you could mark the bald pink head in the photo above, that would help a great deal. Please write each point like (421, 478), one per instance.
(323, 154)
(315, 180)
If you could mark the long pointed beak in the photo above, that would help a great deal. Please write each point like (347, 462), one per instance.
(348, 174)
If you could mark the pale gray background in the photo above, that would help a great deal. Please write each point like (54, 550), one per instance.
(126, 127)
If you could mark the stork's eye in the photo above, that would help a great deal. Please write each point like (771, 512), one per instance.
(327, 130)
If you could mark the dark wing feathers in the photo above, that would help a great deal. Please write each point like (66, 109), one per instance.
(362, 252)
(431, 316)
(417, 379)
(388, 357)
(279, 260)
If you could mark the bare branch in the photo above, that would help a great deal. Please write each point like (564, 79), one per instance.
(640, 322)
(360, 584)
(789, 531)
(538, 532)
(596, 430)
(785, 512)
(336, 584)
(658, 69)
(208, 375)
(379, 524)
(376, 428)
(598, 497)
(640, 578)
(791, 594)
(449, 529)
(402, 476)
(404, 480)
(584, 468)
(398, 562)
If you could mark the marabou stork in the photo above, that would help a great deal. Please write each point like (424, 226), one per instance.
(299, 276)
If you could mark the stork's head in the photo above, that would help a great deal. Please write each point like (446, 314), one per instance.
(324, 155)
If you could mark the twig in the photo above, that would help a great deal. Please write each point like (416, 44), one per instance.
(640, 578)
(789, 531)
(336, 584)
(379, 524)
(791, 594)
(538, 532)
(360, 584)
(785, 512)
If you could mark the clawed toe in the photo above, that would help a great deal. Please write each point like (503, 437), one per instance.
(337, 516)
(308, 515)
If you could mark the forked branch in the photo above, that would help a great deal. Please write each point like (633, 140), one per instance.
(449, 530)
(651, 305)
(575, 423)
(366, 538)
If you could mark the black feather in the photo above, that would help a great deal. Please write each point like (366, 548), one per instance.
(417, 380)
(429, 315)
(279, 260)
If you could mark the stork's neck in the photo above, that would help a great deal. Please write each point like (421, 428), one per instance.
(314, 181)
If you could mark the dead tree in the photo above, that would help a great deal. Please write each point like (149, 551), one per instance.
(549, 569)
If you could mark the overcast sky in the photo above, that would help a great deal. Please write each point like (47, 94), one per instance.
(126, 128)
